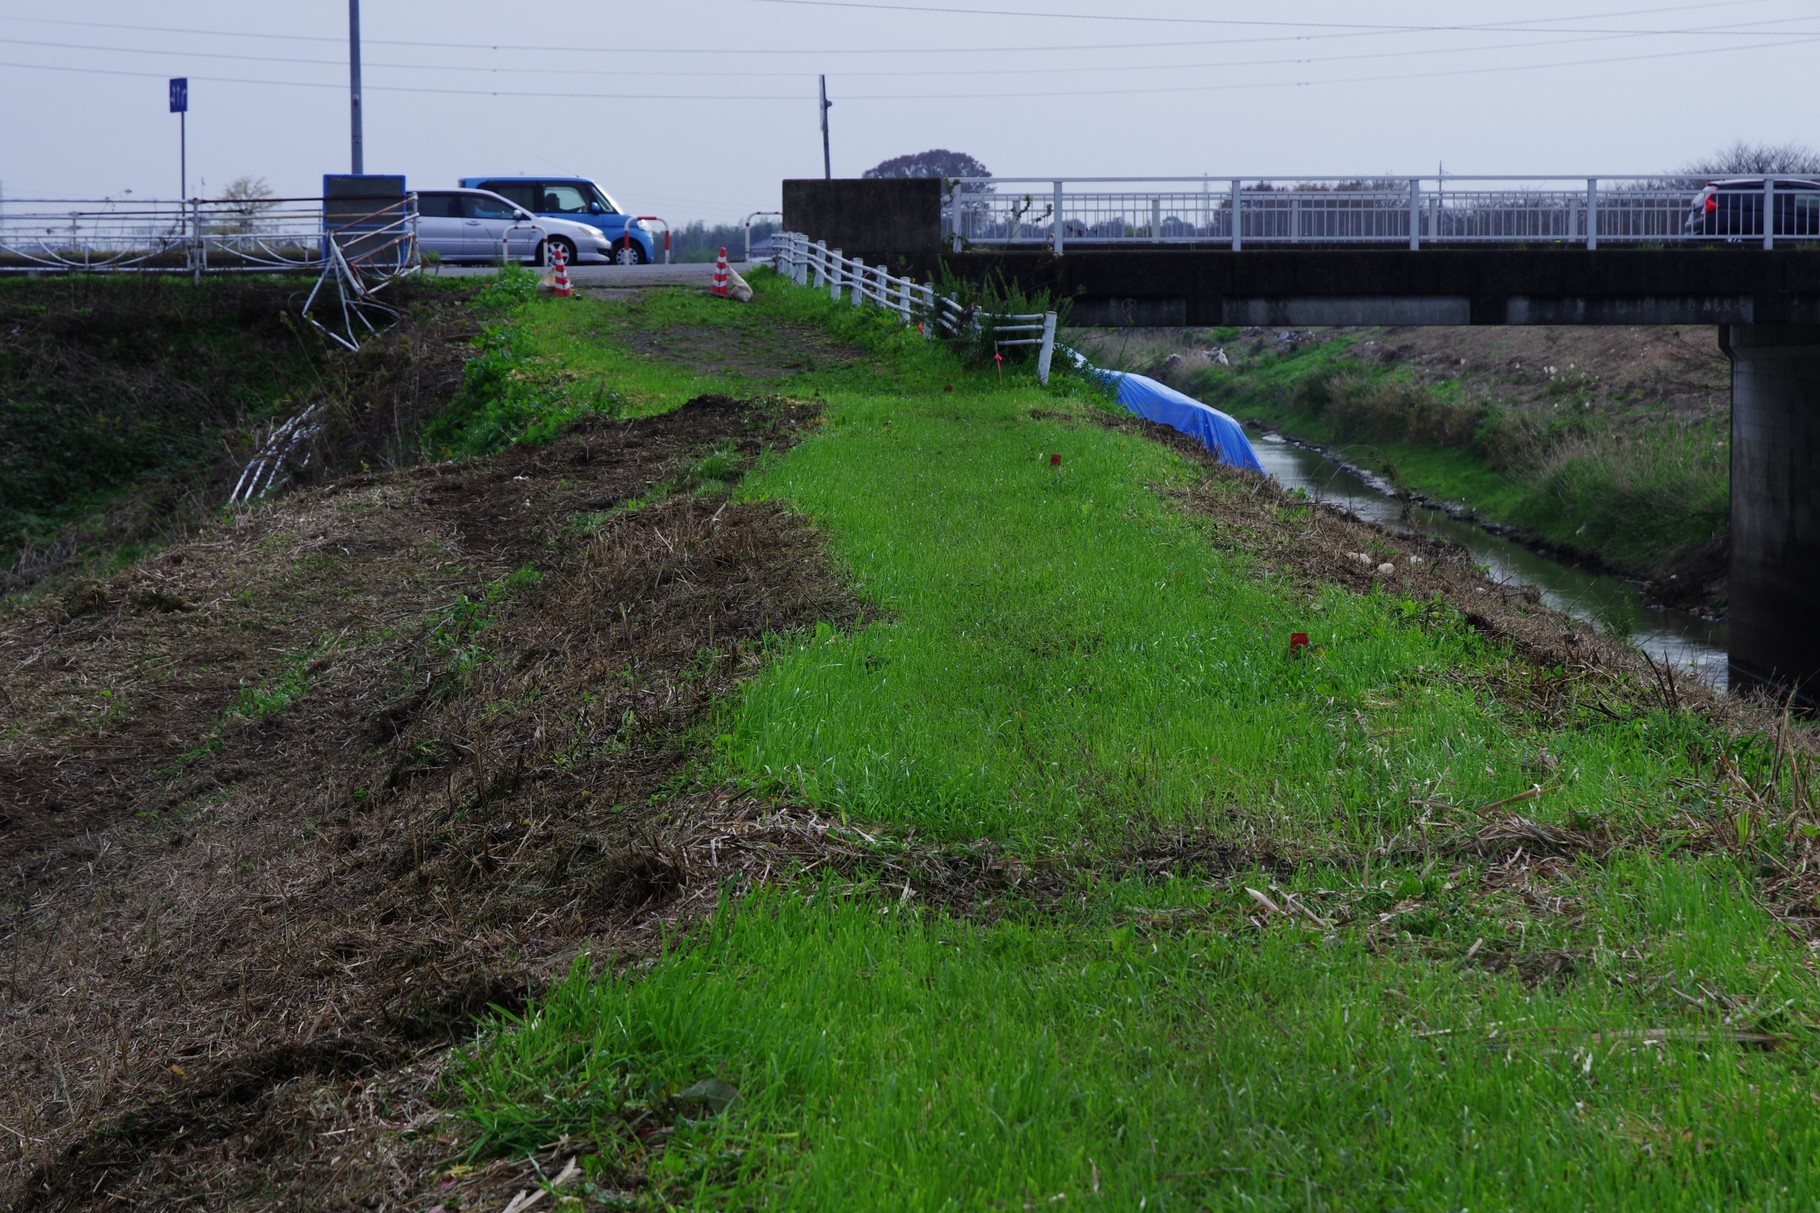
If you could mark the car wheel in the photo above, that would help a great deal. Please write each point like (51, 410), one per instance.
(628, 252)
(546, 253)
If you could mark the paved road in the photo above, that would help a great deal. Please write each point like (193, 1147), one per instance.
(696, 274)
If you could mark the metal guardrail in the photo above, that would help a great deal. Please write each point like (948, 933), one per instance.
(197, 235)
(1416, 212)
(812, 263)
(359, 255)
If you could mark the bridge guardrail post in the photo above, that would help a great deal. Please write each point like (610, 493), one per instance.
(1238, 225)
(1415, 212)
(1046, 355)
(1769, 212)
(1055, 227)
(1592, 213)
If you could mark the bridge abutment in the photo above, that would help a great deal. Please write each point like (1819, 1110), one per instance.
(1775, 507)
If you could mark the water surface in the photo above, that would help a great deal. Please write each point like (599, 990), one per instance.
(1691, 643)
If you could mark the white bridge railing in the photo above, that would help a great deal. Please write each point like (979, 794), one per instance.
(811, 263)
(1236, 212)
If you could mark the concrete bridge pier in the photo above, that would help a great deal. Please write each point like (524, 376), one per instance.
(1775, 511)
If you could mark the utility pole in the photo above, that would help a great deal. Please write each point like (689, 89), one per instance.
(827, 161)
(354, 84)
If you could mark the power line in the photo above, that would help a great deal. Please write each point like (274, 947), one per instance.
(1213, 88)
(381, 88)
(1528, 26)
(1348, 27)
(797, 98)
(542, 70)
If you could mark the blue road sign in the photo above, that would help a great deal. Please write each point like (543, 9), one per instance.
(180, 94)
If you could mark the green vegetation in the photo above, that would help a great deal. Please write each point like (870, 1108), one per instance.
(1642, 498)
(1130, 903)
(120, 383)
(129, 405)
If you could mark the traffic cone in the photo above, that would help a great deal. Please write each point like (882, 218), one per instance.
(722, 276)
(560, 284)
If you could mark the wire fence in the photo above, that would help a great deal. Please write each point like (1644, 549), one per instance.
(195, 236)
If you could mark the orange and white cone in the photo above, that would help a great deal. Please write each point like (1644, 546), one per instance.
(723, 280)
(559, 285)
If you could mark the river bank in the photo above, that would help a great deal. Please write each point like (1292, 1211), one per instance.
(1608, 446)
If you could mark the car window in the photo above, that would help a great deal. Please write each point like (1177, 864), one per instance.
(606, 204)
(562, 199)
(523, 193)
(486, 208)
(439, 206)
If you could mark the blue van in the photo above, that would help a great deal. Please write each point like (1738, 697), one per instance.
(577, 199)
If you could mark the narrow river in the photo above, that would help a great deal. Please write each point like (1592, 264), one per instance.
(1693, 644)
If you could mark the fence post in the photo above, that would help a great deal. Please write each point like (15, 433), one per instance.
(1238, 239)
(836, 270)
(1415, 212)
(1592, 213)
(903, 298)
(1056, 220)
(859, 282)
(1769, 212)
(1047, 353)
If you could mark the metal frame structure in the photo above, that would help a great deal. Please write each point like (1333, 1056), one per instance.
(360, 257)
(1412, 212)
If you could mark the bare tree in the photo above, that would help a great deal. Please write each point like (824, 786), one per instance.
(1752, 159)
(249, 197)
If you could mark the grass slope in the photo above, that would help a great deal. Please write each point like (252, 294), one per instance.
(1138, 908)
(130, 405)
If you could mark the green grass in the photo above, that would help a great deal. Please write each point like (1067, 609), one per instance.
(545, 362)
(1644, 498)
(1346, 1008)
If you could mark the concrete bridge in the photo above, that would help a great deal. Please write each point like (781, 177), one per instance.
(1761, 293)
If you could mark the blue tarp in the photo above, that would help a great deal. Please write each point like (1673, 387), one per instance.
(1162, 403)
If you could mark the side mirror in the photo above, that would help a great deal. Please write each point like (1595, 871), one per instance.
(595, 208)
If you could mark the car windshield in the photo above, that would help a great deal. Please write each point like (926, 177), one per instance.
(596, 194)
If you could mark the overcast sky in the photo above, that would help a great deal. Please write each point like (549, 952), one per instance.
(697, 109)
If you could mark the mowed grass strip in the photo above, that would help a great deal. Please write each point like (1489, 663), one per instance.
(1069, 669)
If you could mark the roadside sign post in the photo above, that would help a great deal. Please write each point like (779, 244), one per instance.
(180, 105)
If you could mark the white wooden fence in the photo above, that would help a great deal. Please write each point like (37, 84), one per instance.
(814, 264)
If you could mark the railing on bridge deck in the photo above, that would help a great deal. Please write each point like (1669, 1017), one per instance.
(1417, 212)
